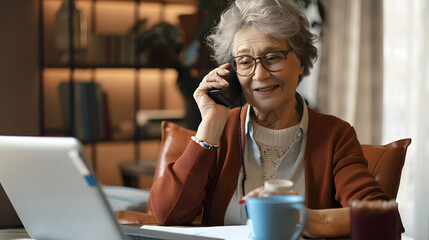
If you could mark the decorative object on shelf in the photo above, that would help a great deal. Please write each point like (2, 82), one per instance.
(62, 33)
(161, 43)
(149, 121)
(91, 117)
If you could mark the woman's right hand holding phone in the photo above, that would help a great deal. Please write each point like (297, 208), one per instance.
(213, 115)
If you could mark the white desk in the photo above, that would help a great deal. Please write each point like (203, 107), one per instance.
(17, 233)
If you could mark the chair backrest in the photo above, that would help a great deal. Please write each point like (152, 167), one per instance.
(174, 140)
(385, 162)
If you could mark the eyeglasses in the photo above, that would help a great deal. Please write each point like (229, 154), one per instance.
(245, 65)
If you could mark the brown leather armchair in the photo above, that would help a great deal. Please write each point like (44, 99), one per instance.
(173, 142)
(385, 162)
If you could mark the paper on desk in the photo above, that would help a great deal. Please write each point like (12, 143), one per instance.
(240, 232)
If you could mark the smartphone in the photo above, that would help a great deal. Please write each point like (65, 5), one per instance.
(227, 96)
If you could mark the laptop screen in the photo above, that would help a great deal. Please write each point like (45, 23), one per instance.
(57, 195)
(53, 190)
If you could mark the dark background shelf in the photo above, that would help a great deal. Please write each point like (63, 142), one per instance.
(101, 66)
(130, 82)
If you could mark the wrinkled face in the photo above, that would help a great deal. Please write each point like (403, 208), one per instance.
(265, 90)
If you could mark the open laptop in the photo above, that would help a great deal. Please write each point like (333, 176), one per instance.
(57, 195)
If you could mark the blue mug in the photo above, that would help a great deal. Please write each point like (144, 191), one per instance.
(276, 217)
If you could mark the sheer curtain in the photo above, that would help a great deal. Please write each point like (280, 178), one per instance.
(405, 105)
(351, 70)
(374, 73)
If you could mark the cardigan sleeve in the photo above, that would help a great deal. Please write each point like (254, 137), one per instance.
(352, 179)
(336, 171)
(177, 197)
(350, 171)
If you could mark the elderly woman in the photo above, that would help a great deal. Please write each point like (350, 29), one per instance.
(275, 135)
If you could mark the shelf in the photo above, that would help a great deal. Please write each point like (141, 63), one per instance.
(125, 82)
(62, 133)
(149, 128)
(195, 2)
(119, 66)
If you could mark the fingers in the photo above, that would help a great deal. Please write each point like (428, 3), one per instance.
(200, 94)
(214, 79)
(253, 193)
(207, 106)
(222, 70)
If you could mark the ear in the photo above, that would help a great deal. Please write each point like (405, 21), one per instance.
(301, 66)
(301, 70)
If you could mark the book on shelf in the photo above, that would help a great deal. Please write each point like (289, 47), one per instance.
(91, 122)
(149, 121)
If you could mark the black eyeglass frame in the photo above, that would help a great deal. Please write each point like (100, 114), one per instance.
(285, 52)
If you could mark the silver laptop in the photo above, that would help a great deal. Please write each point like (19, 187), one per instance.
(56, 194)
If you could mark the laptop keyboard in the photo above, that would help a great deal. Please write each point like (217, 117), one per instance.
(132, 233)
(135, 237)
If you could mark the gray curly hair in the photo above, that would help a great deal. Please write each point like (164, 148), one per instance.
(281, 19)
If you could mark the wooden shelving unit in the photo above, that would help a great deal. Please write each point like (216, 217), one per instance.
(108, 60)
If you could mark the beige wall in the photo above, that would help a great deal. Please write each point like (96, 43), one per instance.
(18, 67)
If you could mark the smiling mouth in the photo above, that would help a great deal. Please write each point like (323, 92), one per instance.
(266, 89)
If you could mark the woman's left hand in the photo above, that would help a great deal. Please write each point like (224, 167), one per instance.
(330, 223)
(320, 222)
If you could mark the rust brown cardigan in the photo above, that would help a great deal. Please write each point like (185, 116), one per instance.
(204, 180)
